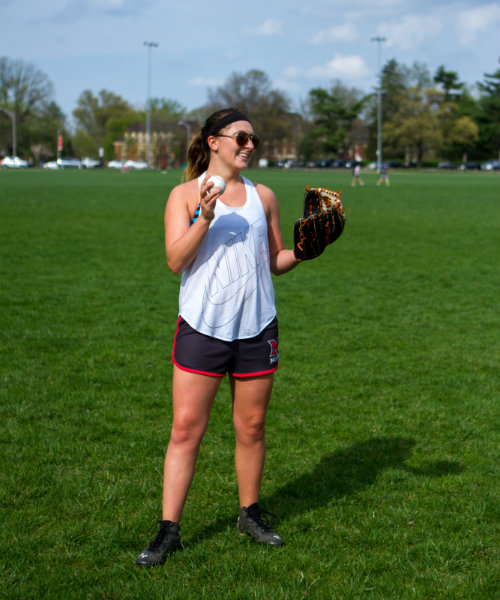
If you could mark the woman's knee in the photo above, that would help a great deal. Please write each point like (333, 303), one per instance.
(187, 430)
(250, 430)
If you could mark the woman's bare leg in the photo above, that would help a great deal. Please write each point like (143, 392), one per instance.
(250, 401)
(193, 397)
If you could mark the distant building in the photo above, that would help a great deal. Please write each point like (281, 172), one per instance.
(165, 145)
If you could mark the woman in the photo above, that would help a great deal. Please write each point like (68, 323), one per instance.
(226, 248)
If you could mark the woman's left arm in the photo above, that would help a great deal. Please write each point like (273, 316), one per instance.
(282, 260)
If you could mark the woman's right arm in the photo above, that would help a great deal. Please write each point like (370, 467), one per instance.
(182, 240)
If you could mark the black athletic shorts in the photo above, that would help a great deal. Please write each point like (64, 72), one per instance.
(199, 353)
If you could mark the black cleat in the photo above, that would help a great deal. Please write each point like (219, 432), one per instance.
(167, 540)
(250, 521)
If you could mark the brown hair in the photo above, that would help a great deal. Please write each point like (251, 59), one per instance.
(198, 155)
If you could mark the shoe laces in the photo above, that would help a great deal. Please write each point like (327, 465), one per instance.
(255, 512)
(160, 536)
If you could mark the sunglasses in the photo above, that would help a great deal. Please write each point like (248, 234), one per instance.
(242, 138)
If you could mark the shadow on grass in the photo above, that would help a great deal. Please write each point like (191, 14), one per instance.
(339, 474)
(348, 470)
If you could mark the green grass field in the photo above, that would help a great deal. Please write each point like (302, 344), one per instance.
(383, 431)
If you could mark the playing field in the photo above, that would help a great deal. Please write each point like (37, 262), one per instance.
(383, 431)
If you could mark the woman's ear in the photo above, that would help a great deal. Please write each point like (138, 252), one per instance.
(213, 143)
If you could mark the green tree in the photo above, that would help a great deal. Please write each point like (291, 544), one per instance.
(449, 81)
(334, 114)
(394, 82)
(28, 93)
(488, 118)
(415, 126)
(45, 127)
(457, 120)
(463, 136)
(166, 111)
(94, 115)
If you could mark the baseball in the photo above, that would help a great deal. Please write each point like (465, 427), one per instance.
(218, 183)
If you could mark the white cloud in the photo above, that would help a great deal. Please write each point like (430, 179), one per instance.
(411, 30)
(339, 33)
(471, 22)
(351, 67)
(269, 28)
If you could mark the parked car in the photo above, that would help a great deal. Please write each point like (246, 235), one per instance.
(69, 163)
(91, 163)
(326, 163)
(491, 165)
(51, 164)
(445, 164)
(285, 163)
(115, 164)
(338, 163)
(350, 164)
(138, 165)
(14, 162)
(470, 166)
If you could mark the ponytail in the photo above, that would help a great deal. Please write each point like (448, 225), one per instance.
(198, 157)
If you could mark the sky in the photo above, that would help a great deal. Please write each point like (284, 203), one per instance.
(299, 45)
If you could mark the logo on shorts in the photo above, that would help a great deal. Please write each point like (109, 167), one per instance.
(273, 356)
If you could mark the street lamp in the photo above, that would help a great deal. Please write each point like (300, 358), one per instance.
(188, 133)
(149, 45)
(379, 41)
(12, 115)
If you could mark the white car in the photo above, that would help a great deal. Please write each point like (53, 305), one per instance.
(136, 164)
(491, 165)
(69, 163)
(51, 164)
(115, 164)
(14, 162)
(90, 163)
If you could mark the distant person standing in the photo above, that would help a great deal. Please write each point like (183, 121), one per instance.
(384, 177)
(356, 175)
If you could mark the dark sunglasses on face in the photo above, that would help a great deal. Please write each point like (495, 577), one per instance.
(242, 138)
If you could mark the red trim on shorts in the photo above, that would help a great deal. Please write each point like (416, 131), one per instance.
(186, 368)
(256, 374)
(197, 372)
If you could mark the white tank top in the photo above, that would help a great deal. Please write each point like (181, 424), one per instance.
(227, 291)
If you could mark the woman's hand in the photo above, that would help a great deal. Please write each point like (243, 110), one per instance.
(208, 199)
(183, 240)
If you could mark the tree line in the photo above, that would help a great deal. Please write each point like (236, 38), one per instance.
(424, 117)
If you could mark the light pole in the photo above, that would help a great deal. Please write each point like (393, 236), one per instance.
(188, 133)
(149, 45)
(379, 41)
(12, 115)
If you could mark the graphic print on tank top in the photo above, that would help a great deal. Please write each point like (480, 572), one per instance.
(234, 267)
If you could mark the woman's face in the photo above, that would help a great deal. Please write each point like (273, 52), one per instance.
(234, 146)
